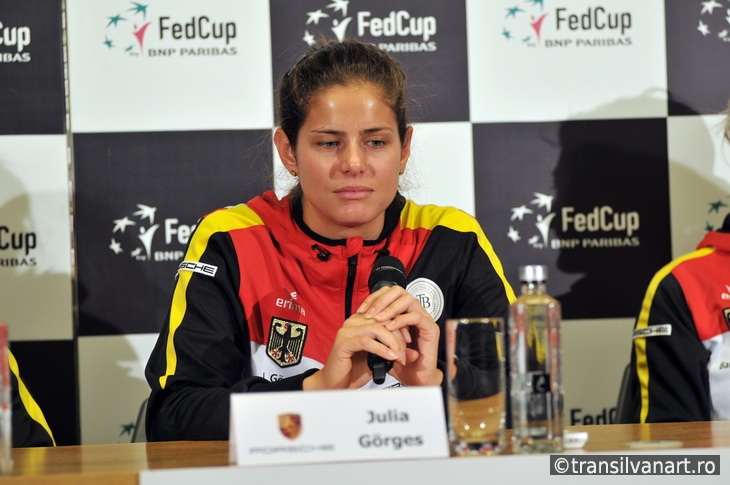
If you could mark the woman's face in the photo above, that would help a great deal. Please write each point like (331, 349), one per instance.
(348, 158)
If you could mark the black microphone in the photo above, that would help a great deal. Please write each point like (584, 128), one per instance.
(387, 271)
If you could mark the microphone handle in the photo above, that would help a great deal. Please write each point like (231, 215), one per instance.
(379, 366)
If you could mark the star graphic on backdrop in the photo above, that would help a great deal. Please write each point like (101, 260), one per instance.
(115, 20)
(308, 38)
(121, 224)
(506, 33)
(708, 227)
(115, 246)
(708, 7)
(715, 206)
(340, 5)
(703, 28)
(146, 211)
(139, 8)
(513, 234)
(722, 34)
(512, 12)
(519, 212)
(315, 16)
(136, 252)
(536, 24)
(728, 16)
(126, 429)
(543, 200)
(543, 225)
(536, 2)
(108, 42)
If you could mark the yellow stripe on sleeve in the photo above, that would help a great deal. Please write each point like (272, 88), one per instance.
(34, 410)
(238, 217)
(642, 365)
(415, 216)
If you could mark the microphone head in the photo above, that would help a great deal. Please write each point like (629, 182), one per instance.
(387, 271)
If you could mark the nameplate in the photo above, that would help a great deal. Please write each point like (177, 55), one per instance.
(330, 426)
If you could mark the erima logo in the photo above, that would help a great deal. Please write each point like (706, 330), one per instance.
(664, 330)
(198, 267)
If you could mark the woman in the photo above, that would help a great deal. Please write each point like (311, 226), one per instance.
(273, 294)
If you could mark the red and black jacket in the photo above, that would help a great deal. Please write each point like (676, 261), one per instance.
(680, 365)
(260, 297)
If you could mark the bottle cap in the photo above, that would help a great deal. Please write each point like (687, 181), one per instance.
(533, 272)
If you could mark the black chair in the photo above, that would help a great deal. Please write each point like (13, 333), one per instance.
(139, 435)
(623, 414)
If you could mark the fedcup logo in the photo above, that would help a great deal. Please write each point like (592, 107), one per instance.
(714, 21)
(715, 214)
(389, 30)
(13, 43)
(334, 14)
(523, 21)
(134, 31)
(126, 30)
(600, 227)
(140, 235)
(533, 24)
(530, 222)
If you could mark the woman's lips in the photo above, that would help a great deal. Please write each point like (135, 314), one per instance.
(354, 193)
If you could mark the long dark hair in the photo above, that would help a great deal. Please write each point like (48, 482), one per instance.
(334, 63)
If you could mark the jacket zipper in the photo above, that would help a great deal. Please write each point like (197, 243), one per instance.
(351, 271)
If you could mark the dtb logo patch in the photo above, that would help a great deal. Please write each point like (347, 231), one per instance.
(286, 342)
(726, 314)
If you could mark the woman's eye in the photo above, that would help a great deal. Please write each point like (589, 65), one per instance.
(377, 143)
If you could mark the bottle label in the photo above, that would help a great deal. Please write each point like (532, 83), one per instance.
(538, 408)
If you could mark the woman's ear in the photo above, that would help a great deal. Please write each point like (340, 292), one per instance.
(405, 152)
(285, 150)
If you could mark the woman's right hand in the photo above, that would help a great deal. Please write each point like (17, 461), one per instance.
(346, 366)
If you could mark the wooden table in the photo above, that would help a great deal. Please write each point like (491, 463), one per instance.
(119, 464)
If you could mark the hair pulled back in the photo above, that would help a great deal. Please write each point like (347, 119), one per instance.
(334, 63)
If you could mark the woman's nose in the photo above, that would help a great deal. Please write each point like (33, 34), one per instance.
(353, 158)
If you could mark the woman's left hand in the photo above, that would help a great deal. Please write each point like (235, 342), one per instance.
(402, 313)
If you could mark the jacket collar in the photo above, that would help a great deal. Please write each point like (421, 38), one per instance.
(392, 216)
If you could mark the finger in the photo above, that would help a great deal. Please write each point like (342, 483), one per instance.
(371, 299)
(388, 307)
(405, 332)
(364, 334)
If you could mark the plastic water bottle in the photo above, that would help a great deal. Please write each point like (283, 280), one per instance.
(535, 366)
